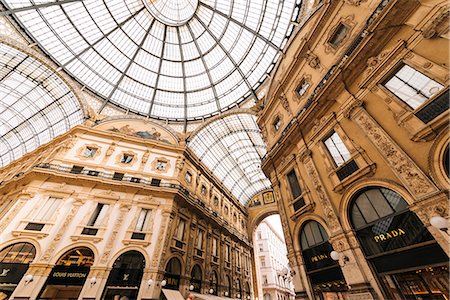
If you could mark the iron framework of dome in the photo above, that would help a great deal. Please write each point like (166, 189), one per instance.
(35, 104)
(169, 59)
(232, 148)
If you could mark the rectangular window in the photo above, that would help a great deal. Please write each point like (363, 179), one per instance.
(411, 86)
(337, 149)
(293, 183)
(214, 247)
(127, 158)
(265, 279)
(155, 182)
(180, 230)
(277, 123)
(339, 35)
(263, 261)
(200, 239)
(227, 253)
(76, 169)
(118, 176)
(142, 221)
(188, 177)
(261, 247)
(98, 215)
(46, 210)
(302, 87)
(161, 165)
(89, 152)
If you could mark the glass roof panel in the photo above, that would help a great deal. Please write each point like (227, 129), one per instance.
(35, 105)
(232, 148)
(161, 57)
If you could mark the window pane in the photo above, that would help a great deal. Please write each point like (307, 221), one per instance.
(293, 183)
(366, 208)
(379, 203)
(142, 220)
(412, 87)
(337, 149)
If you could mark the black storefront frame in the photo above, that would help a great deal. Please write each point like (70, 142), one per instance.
(418, 246)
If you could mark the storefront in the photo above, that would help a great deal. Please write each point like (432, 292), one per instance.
(14, 261)
(125, 277)
(171, 282)
(196, 279)
(68, 276)
(213, 283)
(404, 255)
(324, 273)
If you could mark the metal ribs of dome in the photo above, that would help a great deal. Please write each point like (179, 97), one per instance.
(188, 71)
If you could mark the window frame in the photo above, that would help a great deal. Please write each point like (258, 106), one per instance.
(336, 163)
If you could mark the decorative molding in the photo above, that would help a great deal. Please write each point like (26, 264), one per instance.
(325, 202)
(439, 25)
(62, 230)
(355, 2)
(113, 237)
(284, 102)
(349, 23)
(12, 214)
(313, 60)
(404, 167)
(154, 165)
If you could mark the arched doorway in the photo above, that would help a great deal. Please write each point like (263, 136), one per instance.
(14, 261)
(401, 251)
(228, 286)
(125, 277)
(68, 275)
(214, 283)
(324, 273)
(173, 274)
(196, 279)
(238, 289)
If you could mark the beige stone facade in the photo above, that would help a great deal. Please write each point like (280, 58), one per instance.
(333, 87)
(113, 165)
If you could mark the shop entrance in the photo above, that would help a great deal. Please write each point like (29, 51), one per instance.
(325, 275)
(14, 261)
(404, 255)
(68, 275)
(125, 277)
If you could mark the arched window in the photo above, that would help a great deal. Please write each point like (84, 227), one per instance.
(196, 278)
(20, 253)
(396, 242)
(227, 286)
(125, 276)
(267, 296)
(173, 273)
(81, 257)
(373, 204)
(214, 282)
(446, 161)
(312, 234)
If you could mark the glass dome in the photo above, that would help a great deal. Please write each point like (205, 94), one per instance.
(170, 59)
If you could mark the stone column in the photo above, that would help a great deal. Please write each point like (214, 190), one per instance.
(354, 275)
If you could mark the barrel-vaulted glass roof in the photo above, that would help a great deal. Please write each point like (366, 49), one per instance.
(232, 148)
(35, 105)
(170, 59)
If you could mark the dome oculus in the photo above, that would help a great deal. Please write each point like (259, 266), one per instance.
(168, 59)
(172, 12)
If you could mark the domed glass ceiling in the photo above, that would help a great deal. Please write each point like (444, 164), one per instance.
(170, 59)
(232, 148)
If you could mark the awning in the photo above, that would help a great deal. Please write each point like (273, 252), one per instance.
(172, 294)
(209, 297)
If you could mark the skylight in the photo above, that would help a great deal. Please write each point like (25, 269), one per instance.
(170, 59)
(232, 148)
(35, 105)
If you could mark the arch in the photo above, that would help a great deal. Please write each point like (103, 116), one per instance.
(258, 214)
(62, 251)
(127, 249)
(304, 219)
(267, 296)
(196, 278)
(32, 241)
(214, 282)
(228, 285)
(30, 93)
(362, 184)
(125, 276)
(85, 257)
(173, 266)
(139, 127)
(439, 151)
(20, 253)
(312, 234)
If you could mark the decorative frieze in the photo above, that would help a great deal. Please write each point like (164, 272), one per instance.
(403, 166)
(113, 237)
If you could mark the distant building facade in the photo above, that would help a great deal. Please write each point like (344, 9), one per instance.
(272, 263)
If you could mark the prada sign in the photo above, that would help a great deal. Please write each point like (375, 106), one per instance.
(12, 273)
(73, 275)
(318, 257)
(173, 281)
(393, 233)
